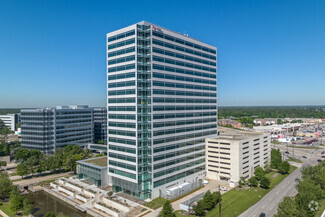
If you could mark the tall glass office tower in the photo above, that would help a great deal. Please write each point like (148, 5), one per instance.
(161, 105)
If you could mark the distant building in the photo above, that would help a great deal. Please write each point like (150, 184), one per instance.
(266, 121)
(225, 122)
(10, 120)
(51, 128)
(100, 124)
(236, 154)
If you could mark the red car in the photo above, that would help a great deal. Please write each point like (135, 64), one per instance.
(323, 156)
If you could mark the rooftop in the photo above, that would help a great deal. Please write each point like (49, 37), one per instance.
(98, 161)
(232, 134)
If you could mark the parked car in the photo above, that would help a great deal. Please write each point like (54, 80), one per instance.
(286, 152)
(223, 188)
(262, 214)
(205, 181)
(304, 156)
(319, 160)
(323, 152)
(297, 180)
(323, 156)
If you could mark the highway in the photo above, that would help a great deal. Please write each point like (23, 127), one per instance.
(269, 203)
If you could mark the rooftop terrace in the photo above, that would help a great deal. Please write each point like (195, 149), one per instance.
(99, 161)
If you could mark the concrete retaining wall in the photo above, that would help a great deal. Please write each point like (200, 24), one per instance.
(88, 193)
(53, 185)
(73, 187)
(116, 205)
(82, 198)
(107, 210)
(66, 191)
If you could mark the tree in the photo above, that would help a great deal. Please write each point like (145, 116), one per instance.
(287, 208)
(253, 182)
(16, 200)
(167, 210)
(53, 214)
(22, 154)
(199, 208)
(50, 214)
(259, 173)
(4, 133)
(70, 162)
(276, 158)
(27, 207)
(2, 124)
(208, 201)
(22, 170)
(5, 186)
(308, 191)
(284, 167)
(242, 182)
(3, 164)
(216, 197)
(52, 163)
(265, 182)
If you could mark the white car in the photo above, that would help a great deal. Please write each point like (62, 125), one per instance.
(205, 181)
(223, 188)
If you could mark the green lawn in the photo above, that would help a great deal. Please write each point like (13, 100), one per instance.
(182, 213)
(295, 160)
(6, 209)
(156, 203)
(187, 194)
(236, 201)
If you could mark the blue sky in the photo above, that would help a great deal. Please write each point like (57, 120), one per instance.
(270, 52)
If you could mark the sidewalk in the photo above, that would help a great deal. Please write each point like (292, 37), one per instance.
(36, 180)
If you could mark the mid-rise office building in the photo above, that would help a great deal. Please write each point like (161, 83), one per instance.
(10, 121)
(100, 125)
(51, 128)
(236, 153)
(162, 104)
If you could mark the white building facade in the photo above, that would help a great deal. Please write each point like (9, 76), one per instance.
(161, 105)
(236, 154)
(10, 121)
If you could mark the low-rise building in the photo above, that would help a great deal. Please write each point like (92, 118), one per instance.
(266, 121)
(93, 170)
(229, 122)
(236, 154)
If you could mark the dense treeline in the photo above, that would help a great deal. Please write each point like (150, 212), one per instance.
(33, 161)
(9, 148)
(273, 112)
(9, 111)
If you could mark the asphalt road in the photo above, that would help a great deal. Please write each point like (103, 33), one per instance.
(269, 203)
